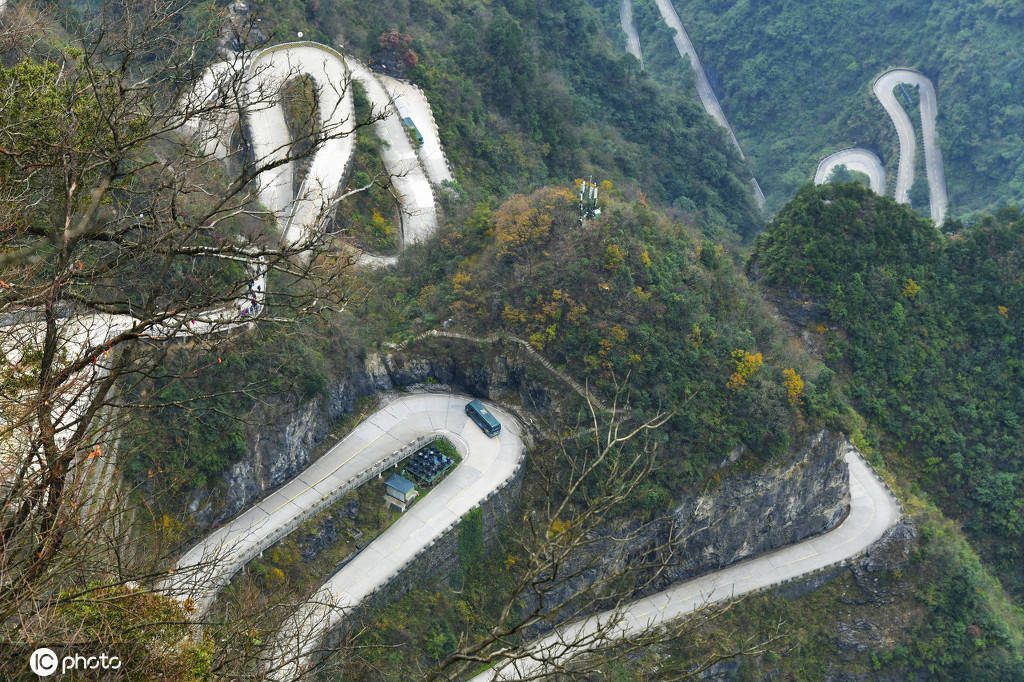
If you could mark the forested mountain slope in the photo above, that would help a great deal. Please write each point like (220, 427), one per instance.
(632, 297)
(795, 80)
(644, 301)
(927, 329)
(528, 93)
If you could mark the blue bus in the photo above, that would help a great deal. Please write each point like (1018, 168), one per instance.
(483, 418)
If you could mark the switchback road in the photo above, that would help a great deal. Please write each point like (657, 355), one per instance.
(866, 161)
(377, 443)
(883, 89)
(873, 510)
(855, 159)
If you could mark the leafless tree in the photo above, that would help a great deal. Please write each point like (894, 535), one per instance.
(122, 233)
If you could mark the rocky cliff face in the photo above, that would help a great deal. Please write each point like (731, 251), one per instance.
(293, 430)
(747, 514)
(752, 513)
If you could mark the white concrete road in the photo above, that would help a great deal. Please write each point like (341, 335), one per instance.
(704, 91)
(855, 159)
(411, 103)
(883, 89)
(203, 570)
(416, 198)
(632, 39)
(872, 511)
(868, 162)
(300, 214)
(487, 464)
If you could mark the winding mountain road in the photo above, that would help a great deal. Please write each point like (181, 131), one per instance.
(253, 86)
(395, 431)
(856, 159)
(300, 214)
(873, 510)
(883, 89)
(487, 465)
(378, 442)
(866, 161)
(402, 425)
(707, 96)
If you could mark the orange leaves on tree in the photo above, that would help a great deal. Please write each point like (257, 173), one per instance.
(525, 221)
(614, 257)
(558, 527)
(461, 280)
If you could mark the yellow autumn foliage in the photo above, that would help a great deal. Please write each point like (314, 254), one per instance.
(747, 365)
(794, 384)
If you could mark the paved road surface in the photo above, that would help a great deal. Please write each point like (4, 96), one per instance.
(419, 215)
(704, 91)
(883, 89)
(410, 102)
(632, 39)
(872, 511)
(855, 159)
(202, 571)
(486, 465)
(298, 215)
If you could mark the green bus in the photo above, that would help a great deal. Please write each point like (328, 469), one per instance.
(483, 418)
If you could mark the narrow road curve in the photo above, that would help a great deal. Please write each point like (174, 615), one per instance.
(487, 465)
(855, 159)
(378, 442)
(883, 89)
(375, 445)
(704, 91)
(873, 510)
(299, 215)
(866, 161)
(632, 39)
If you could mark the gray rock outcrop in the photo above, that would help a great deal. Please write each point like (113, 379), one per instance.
(291, 430)
(746, 515)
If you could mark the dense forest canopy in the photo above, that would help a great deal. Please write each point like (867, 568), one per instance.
(795, 80)
(928, 330)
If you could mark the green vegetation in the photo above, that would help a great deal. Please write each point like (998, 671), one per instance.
(98, 616)
(369, 218)
(923, 330)
(841, 174)
(795, 80)
(201, 404)
(927, 331)
(631, 298)
(303, 559)
(530, 93)
(471, 541)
